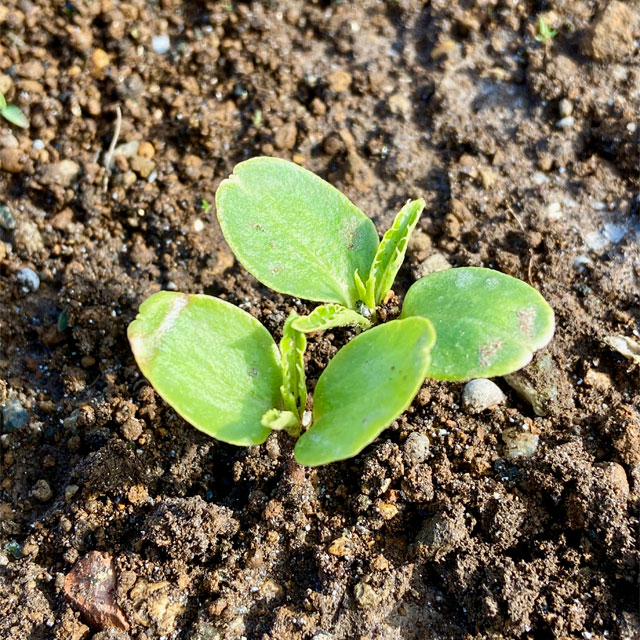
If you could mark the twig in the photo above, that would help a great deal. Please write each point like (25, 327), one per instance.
(109, 155)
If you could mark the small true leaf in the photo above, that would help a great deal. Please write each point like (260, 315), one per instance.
(11, 113)
(488, 324)
(295, 232)
(366, 386)
(392, 249)
(327, 316)
(216, 365)
(277, 420)
(292, 348)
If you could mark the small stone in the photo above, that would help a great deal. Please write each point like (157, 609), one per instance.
(146, 150)
(28, 238)
(553, 211)
(6, 218)
(99, 60)
(5, 84)
(9, 141)
(70, 491)
(566, 123)
(32, 69)
(565, 108)
(12, 160)
(341, 547)
(61, 173)
(617, 477)
(42, 491)
(161, 44)
(91, 586)
(598, 379)
(62, 219)
(131, 429)
(416, 447)
(318, 108)
(366, 596)
(624, 346)
(28, 279)
(142, 166)
(400, 105)
(128, 149)
(14, 416)
(519, 443)
(285, 136)
(339, 80)
(487, 177)
(435, 262)
(387, 510)
(481, 394)
(87, 361)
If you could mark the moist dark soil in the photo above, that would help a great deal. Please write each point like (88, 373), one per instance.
(527, 155)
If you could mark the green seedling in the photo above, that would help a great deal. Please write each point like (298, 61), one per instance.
(545, 32)
(222, 371)
(12, 114)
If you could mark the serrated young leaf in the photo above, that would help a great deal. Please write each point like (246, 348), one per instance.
(295, 232)
(488, 323)
(366, 292)
(327, 316)
(277, 420)
(216, 365)
(366, 386)
(392, 249)
(292, 348)
(11, 113)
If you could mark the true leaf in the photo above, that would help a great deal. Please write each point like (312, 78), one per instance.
(327, 316)
(216, 365)
(488, 324)
(277, 420)
(366, 386)
(392, 249)
(292, 348)
(295, 232)
(11, 113)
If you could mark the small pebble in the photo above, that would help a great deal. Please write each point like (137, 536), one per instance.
(565, 108)
(42, 491)
(38, 144)
(435, 262)
(161, 44)
(481, 394)
(566, 123)
(9, 141)
(519, 444)
(14, 416)
(28, 279)
(416, 447)
(6, 219)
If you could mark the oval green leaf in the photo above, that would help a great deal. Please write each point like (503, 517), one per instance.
(216, 365)
(11, 113)
(295, 232)
(488, 324)
(366, 386)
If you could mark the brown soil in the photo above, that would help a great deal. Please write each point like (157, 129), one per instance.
(527, 154)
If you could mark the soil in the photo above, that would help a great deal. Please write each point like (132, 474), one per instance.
(527, 155)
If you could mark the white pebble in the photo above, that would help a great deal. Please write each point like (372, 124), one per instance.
(481, 394)
(565, 108)
(566, 123)
(38, 144)
(416, 447)
(519, 443)
(28, 279)
(161, 44)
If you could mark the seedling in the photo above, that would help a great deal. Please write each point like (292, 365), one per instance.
(545, 32)
(12, 114)
(221, 370)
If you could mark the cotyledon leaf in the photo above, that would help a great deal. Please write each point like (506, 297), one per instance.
(327, 316)
(216, 365)
(295, 232)
(294, 385)
(366, 386)
(488, 323)
(13, 114)
(392, 249)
